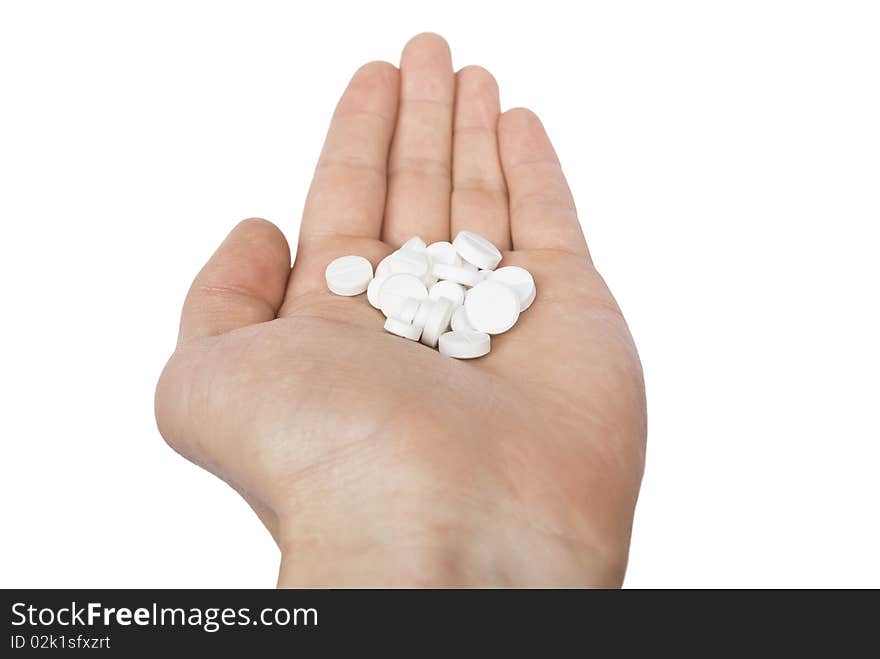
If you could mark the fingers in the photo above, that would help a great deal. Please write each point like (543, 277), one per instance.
(542, 212)
(243, 283)
(347, 196)
(420, 162)
(479, 194)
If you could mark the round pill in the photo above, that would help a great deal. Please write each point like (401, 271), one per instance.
(410, 262)
(443, 252)
(460, 322)
(456, 273)
(475, 249)
(348, 275)
(395, 291)
(400, 328)
(384, 267)
(423, 312)
(415, 243)
(374, 288)
(519, 280)
(449, 290)
(530, 299)
(437, 322)
(491, 307)
(464, 345)
(408, 310)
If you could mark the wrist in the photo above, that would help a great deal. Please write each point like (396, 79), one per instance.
(392, 546)
(407, 518)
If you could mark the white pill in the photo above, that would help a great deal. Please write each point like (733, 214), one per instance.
(408, 310)
(415, 243)
(449, 290)
(464, 345)
(519, 280)
(348, 275)
(400, 328)
(410, 262)
(491, 307)
(443, 252)
(475, 249)
(396, 290)
(456, 273)
(384, 267)
(374, 288)
(437, 322)
(424, 310)
(530, 299)
(460, 322)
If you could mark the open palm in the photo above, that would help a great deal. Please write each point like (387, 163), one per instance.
(377, 461)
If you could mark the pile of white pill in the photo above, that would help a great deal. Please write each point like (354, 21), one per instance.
(446, 295)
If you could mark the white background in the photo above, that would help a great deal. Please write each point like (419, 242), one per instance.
(726, 162)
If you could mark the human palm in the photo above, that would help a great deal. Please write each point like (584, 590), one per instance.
(377, 461)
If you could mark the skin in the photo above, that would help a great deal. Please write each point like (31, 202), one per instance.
(376, 461)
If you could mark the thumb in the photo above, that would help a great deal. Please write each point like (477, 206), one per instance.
(243, 283)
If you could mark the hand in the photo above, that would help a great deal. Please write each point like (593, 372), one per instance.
(374, 460)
